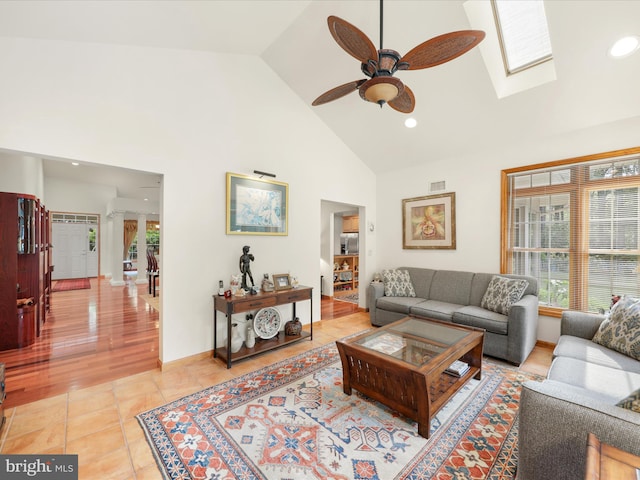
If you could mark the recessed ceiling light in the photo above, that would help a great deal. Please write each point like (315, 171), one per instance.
(625, 46)
(75, 164)
(410, 122)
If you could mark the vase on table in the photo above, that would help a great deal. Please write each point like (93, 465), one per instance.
(293, 327)
(236, 338)
(251, 335)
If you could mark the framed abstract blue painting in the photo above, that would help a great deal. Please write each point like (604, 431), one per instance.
(256, 206)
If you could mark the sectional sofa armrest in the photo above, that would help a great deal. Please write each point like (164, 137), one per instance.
(580, 324)
(374, 292)
(554, 421)
(522, 328)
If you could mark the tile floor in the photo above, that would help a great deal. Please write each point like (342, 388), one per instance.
(98, 423)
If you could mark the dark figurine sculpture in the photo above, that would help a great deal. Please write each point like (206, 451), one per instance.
(245, 267)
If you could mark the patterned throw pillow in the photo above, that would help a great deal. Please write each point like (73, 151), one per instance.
(621, 331)
(397, 283)
(503, 292)
(631, 402)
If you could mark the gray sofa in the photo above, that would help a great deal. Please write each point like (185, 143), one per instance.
(455, 296)
(583, 385)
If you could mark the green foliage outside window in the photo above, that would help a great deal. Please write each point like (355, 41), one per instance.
(153, 244)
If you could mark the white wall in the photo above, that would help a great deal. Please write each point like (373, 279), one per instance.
(191, 116)
(476, 183)
(22, 174)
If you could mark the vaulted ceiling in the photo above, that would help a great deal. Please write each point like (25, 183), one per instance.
(457, 108)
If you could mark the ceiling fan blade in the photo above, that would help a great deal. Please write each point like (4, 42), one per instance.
(352, 40)
(405, 102)
(442, 49)
(338, 92)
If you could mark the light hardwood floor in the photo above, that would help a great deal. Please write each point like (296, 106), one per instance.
(97, 421)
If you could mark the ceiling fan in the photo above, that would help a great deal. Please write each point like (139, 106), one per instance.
(380, 65)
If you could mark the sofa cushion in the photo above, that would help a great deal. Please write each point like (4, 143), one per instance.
(435, 309)
(631, 402)
(479, 287)
(607, 382)
(481, 318)
(503, 292)
(621, 330)
(421, 279)
(397, 283)
(398, 304)
(451, 287)
(581, 395)
(589, 351)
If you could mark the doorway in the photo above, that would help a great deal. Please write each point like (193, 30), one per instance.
(75, 246)
(344, 280)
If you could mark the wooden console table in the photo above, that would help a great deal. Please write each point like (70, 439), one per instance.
(605, 462)
(229, 306)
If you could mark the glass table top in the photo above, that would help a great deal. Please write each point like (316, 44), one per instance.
(413, 341)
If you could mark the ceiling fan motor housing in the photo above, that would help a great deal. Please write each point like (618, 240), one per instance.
(382, 86)
(387, 64)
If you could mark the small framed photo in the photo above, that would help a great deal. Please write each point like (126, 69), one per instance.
(429, 222)
(281, 281)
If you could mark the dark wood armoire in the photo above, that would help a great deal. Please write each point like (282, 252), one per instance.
(25, 269)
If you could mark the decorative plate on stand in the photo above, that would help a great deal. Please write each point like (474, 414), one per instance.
(267, 322)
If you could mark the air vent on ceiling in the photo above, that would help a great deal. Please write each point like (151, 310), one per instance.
(437, 186)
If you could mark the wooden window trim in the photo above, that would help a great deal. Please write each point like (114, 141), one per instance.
(580, 184)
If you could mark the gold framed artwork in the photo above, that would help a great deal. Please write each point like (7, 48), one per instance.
(281, 281)
(256, 206)
(429, 222)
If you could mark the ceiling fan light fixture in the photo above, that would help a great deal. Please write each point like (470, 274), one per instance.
(381, 90)
(381, 93)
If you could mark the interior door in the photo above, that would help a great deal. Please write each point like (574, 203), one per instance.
(70, 242)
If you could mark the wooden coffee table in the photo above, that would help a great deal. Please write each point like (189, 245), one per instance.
(402, 365)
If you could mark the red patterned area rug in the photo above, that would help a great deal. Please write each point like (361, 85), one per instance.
(71, 284)
(292, 420)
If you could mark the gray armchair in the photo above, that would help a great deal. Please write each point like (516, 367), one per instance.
(554, 421)
(579, 397)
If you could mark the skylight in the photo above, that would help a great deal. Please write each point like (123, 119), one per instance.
(524, 33)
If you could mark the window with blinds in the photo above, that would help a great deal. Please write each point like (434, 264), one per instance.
(575, 226)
